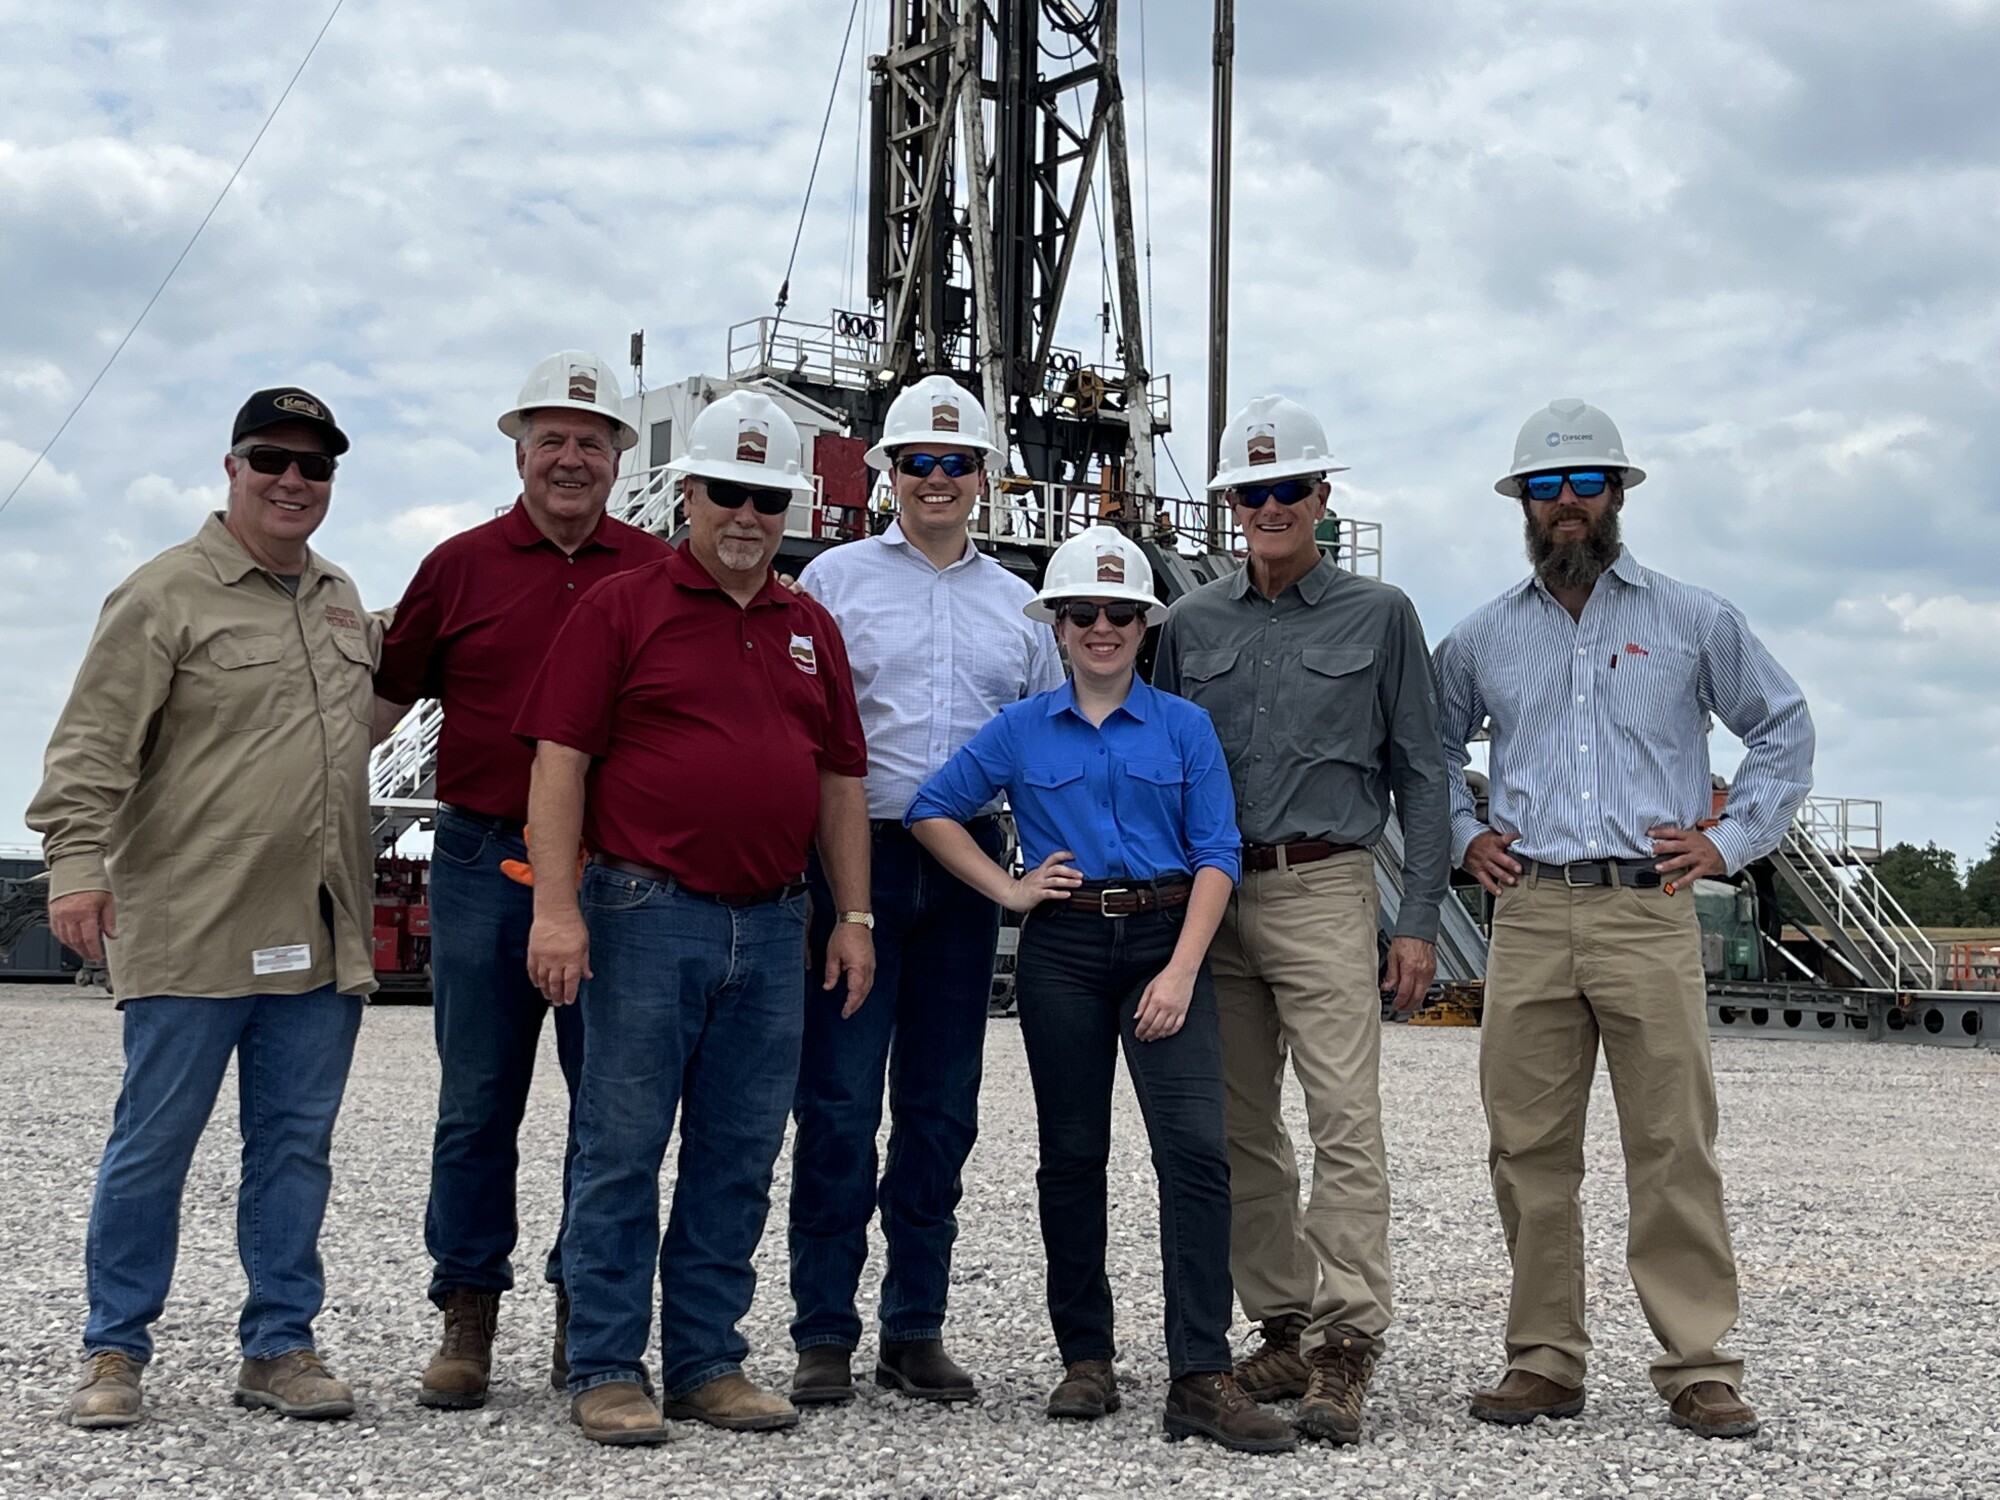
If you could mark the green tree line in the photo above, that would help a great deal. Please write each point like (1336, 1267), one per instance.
(1933, 891)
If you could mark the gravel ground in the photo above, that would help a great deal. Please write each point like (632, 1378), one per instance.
(1864, 1185)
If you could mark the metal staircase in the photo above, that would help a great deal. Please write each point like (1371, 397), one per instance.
(1824, 860)
(1461, 946)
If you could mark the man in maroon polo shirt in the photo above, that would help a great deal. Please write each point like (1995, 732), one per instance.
(696, 728)
(473, 626)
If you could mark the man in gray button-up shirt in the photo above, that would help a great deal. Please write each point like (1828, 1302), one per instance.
(1320, 687)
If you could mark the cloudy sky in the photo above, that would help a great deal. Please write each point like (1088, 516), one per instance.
(1761, 236)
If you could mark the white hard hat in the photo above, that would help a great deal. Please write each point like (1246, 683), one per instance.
(937, 410)
(746, 437)
(1567, 434)
(1099, 563)
(572, 381)
(1272, 439)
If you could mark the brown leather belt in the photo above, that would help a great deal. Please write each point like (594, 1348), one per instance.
(1297, 852)
(722, 898)
(1127, 898)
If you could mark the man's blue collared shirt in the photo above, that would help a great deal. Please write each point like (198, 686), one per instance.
(1600, 724)
(1142, 796)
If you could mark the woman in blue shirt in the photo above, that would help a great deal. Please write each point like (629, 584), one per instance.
(1128, 828)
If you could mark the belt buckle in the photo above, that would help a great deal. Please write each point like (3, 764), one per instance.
(1572, 882)
(1108, 892)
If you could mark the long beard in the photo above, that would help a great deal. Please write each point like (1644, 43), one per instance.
(1578, 564)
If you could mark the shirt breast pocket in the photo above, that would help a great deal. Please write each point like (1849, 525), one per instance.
(1221, 681)
(243, 682)
(356, 674)
(1156, 793)
(1331, 710)
(1657, 696)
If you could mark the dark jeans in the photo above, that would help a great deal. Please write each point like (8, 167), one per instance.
(1080, 980)
(292, 1054)
(488, 1017)
(693, 1006)
(925, 1021)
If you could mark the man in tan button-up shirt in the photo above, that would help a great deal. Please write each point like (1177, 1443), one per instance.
(205, 819)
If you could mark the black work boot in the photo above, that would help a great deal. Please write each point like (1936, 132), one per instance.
(824, 1376)
(457, 1376)
(1212, 1405)
(921, 1368)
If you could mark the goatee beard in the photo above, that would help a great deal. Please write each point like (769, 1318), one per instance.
(1578, 564)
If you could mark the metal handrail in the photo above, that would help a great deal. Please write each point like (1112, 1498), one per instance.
(1858, 900)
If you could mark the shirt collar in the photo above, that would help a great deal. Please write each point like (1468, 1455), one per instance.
(1312, 588)
(233, 564)
(894, 537)
(520, 530)
(685, 569)
(1624, 567)
(1138, 703)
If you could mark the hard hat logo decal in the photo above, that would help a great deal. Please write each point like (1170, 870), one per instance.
(1554, 439)
(304, 406)
(753, 443)
(944, 417)
(582, 386)
(1110, 567)
(1263, 445)
(803, 655)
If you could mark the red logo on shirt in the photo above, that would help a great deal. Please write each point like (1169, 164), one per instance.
(342, 618)
(1632, 650)
(803, 655)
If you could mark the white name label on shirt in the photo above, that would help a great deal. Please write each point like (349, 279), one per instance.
(285, 960)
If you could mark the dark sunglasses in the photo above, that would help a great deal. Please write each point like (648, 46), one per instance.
(1585, 484)
(1083, 613)
(920, 465)
(730, 496)
(1285, 492)
(269, 458)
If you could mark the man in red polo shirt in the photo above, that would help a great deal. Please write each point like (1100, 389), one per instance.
(696, 728)
(470, 631)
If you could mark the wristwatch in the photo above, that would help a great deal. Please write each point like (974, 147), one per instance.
(862, 918)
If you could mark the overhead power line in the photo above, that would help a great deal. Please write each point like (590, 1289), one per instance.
(87, 390)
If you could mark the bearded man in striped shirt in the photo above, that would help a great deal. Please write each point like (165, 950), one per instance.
(1600, 678)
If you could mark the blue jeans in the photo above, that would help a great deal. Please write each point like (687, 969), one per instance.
(488, 1017)
(925, 1021)
(693, 1006)
(292, 1053)
(1080, 979)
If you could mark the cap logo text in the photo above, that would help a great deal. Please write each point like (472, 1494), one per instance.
(304, 406)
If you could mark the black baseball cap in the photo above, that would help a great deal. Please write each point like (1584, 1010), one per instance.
(287, 403)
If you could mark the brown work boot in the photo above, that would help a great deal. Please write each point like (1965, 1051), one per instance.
(108, 1394)
(1087, 1392)
(620, 1414)
(297, 1384)
(1711, 1408)
(457, 1376)
(1331, 1407)
(1212, 1405)
(1277, 1371)
(735, 1402)
(1521, 1396)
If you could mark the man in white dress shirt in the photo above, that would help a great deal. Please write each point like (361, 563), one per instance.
(938, 645)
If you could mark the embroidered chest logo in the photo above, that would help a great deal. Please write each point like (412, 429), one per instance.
(1110, 567)
(804, 657)
(1632, 650)
(753, 443)
(342, 618)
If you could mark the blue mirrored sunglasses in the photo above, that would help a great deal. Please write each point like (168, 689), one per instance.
(1585, 484)
(920, 465)
(1285, 492)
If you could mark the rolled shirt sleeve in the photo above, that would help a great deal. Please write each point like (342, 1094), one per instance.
(1742, 684)
(1210, 802)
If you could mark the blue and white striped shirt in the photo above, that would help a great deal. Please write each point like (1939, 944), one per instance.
(1600, 724)
(936, 652)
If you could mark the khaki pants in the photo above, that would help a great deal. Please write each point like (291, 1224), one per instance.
(1568, 966)
(1295, 974)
